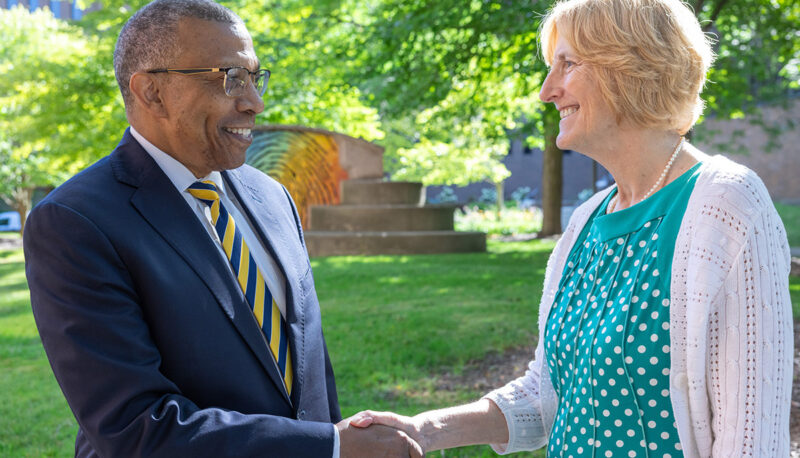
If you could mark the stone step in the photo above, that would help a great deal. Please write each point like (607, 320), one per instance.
(371, 192)
(381, 218)
(325, 243)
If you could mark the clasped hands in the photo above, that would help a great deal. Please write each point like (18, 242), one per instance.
(382, 434)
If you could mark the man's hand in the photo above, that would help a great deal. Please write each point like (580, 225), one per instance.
(375, 441)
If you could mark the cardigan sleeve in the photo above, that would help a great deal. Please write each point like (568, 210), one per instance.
(750, 346)
(738, 320)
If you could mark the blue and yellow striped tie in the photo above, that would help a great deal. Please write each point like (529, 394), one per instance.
(250, 278)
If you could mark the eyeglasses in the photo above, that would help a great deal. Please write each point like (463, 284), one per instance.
(235, 78)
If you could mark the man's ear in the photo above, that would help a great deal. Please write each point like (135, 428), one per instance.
(147, 93)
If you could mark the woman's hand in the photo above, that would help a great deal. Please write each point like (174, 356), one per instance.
(480, 422)
(412, 426)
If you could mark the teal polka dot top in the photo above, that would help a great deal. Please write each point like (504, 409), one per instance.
(607, 335)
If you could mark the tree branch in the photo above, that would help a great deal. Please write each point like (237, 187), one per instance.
(714, 14)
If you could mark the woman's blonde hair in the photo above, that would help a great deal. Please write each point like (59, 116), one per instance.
(649, 57)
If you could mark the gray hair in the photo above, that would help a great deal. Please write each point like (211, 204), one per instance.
(150, 40)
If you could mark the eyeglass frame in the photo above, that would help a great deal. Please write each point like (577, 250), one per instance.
(224, 70)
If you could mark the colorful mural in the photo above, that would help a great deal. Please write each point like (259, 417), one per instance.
(306, 161)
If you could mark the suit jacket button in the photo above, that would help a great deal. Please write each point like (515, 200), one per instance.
(301, 414)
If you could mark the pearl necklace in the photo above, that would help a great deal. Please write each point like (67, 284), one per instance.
(613, 204)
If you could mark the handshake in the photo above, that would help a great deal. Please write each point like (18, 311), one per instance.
(386, 434)
(370, 434)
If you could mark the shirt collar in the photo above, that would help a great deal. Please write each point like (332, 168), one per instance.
(180, 176)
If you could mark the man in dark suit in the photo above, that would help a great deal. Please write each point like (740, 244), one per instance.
(170, 283)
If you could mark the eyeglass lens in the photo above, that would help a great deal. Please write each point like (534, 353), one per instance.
(237, 77)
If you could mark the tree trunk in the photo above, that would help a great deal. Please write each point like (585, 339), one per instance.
(22, 201)
(498, 187)
(552, 175)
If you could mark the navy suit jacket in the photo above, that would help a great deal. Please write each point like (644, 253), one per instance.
(148, 332)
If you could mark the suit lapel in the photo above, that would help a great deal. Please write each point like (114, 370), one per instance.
(166, 211)
(278, 241)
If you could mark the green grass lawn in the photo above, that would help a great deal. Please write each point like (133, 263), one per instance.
(790, 214)
(393, 325)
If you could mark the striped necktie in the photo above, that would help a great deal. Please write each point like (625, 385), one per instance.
(250, 278)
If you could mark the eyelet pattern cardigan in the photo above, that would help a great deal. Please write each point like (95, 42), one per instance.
(731, 331)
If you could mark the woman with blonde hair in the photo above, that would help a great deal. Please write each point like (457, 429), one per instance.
(665, 322)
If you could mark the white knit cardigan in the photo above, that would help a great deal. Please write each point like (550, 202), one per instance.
(730, 325)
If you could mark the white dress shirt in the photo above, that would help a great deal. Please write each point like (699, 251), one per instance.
(181, 177)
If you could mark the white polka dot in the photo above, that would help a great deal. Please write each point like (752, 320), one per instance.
(608, 361)
(631, 432)
(655, 237)
(664, 414)
(628, 412)
(624, 391)
(580, 450)
(642, 244)
(583, 430)
(618, 349)
(620, 443)
(653, 360)
(665, 326)
(653, 338)
(652, 446)
(645, 285)
(651, 403)
(654, 315)
(625, 274)
(610, 252)
(620, 371)
(618, 423)
(640, 371)
(612, 382)
(615, 402)
(665, 371)
(643, 327)
(665, 393)
(656, 293)
(607, 433)
(609, 454)
(641, 349)
(665, 302)
(653, 382)
(601, 371)
(606, 413)
(632, 454)
(665, 349)
(628, 360)
(640, 391)
(651, 424)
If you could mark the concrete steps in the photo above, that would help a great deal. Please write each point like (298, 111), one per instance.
(379, 217)
(330, 243)
(382, 218)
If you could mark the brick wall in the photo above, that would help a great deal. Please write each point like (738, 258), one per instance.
(772, 151)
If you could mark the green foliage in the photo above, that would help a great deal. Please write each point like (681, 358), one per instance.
(512, 221)
(308, 61)
(58, 94)
(451, 79)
